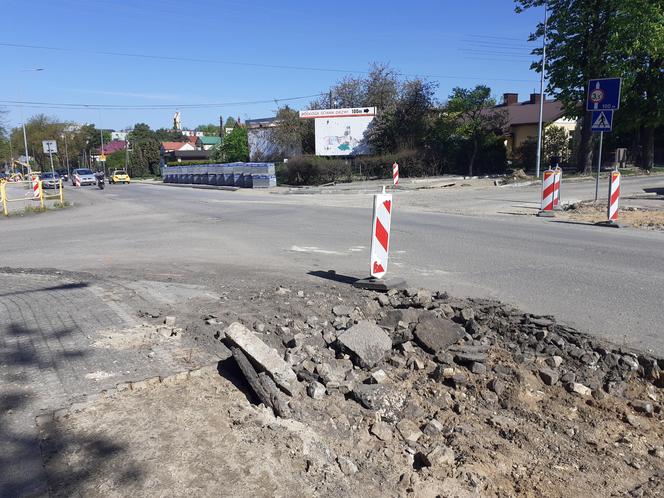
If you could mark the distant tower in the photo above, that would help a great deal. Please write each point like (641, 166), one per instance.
(177, 124)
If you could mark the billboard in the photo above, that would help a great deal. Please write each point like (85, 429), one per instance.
(340, 132)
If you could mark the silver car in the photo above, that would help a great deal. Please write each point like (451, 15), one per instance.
(84, 176)
(50, 180)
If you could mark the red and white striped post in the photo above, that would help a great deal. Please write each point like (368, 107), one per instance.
(380, 234)
(548, 181)
(35, 187)
(614, 198)
(557, 180)
(395, 173)
(77, 180)
(380, 247)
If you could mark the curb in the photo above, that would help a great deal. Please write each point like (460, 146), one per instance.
(140, 385)
(188, 185)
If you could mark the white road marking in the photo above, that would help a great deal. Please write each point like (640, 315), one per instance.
(314, 250)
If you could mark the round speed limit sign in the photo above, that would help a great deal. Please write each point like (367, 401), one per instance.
(597, 95)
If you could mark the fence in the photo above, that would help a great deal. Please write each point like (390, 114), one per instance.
(29, 194)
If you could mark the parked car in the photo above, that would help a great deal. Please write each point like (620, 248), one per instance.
(84, 176)
(50, 180)
(120, 176)
(4, 177)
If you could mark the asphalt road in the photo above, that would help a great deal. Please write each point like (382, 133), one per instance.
(603, 281)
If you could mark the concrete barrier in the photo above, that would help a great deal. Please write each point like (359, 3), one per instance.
(246, 175)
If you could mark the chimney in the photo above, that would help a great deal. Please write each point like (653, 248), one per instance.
(535, 98)
(510, 98)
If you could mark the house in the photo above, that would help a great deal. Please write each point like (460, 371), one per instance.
(119, 135)
(207, 142)
(167, 147)
(261, 143)
(523, 118)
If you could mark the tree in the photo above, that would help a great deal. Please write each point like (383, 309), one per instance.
(381, 86)
(289, 130)
(641, 54)
(597, 38)
(230, 123)
(144, 158)
(38, 128)
(475, 118)
(235, 147)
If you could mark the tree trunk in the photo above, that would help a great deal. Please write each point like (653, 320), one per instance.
(648, 148)
(472, 159)
(585, 153)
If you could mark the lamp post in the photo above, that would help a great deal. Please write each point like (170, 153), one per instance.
(25, 136)
(541, 107)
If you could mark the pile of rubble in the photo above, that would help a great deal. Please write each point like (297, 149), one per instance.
(434, 395)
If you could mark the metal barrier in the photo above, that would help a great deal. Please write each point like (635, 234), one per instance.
(29, 196)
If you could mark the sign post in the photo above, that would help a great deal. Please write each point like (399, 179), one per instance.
(603, 98)
(50, 146)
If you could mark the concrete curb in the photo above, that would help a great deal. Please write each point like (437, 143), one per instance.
(187, 185)
(140, 385)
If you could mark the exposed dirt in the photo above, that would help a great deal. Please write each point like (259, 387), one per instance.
(637, 217)
(499, 430)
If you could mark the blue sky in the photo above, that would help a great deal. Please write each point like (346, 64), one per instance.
(457, 43)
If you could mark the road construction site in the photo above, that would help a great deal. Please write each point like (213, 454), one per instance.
(524, 360)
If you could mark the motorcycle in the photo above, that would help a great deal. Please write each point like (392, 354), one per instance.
(100, 181)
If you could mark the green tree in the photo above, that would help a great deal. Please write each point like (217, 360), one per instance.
(38, 128)
(230, 123)
(582, 43)
(640, 52)
(235, 147)
(476, 120)
(144, 158)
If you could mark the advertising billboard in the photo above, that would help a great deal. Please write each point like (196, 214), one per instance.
(340, 132)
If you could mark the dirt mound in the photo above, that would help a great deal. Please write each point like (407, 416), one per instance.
(466, 398)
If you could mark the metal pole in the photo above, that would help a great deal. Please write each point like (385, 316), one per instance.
(27, 155)
(599, 164)
(66, 155)
(541, 108)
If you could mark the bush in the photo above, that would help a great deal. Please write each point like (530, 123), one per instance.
(313, 170)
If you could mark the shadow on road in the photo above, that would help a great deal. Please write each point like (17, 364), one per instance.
(36, 466)
(334, 276)
(72, 286)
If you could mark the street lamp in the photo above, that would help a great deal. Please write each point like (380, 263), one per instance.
(25, 136)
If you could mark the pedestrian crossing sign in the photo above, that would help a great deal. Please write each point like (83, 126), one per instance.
(602, 120)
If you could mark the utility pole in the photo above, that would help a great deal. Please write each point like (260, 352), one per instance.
(541, 108)
(331, 105)
(101, 151)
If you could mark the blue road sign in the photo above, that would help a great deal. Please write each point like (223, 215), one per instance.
(602, 121)
(603, 94)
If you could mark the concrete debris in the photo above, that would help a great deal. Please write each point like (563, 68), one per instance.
(347, 466)
(548, 376)
(440, 456)
(382, 431)
(316, 390)
(641, 406)
(452, 379)
(266, 357)
(366, 342)
(169, 321)
(580, 389)
(436, 334)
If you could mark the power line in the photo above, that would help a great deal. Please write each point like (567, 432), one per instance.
(67, 105)
(243, 63)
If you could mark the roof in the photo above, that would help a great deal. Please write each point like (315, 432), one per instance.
(210, 140)
(261, 123)
(114, 146)
(169, 146)
(528, 112)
